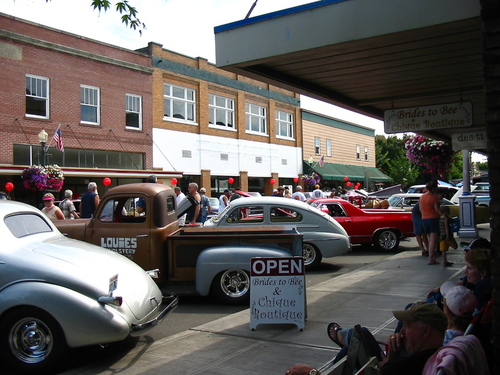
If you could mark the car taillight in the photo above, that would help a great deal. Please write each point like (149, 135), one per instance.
(110, 300)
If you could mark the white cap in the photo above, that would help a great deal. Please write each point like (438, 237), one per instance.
(460, 300)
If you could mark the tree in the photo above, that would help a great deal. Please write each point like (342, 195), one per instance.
(128, 13)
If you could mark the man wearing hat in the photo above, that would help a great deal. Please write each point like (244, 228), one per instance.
(205, 205)
(299, 195)
(317, 193)
(424, 325)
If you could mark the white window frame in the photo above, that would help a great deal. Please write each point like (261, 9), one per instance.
(187, 102)
(227, 110)
(133, 105)
(40, 93)
(366, 153)
(317, 146)
(256, 114)
(328, 147)
(358, 152)
(284, 124)
(88, 101)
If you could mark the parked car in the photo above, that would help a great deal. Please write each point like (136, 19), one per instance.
(383, 228)
(76, 202)
(448, 191)
(406, 201)
(214, 206)
(322, 236)
(58, 293)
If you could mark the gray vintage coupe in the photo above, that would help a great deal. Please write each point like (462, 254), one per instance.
(57, 293)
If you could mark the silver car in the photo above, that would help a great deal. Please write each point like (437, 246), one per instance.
(57, 293)
(322, 235)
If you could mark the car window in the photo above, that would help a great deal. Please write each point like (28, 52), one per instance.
(124, 210)
(335, 210)
(284, 215)
(246, 215)
(25, 224)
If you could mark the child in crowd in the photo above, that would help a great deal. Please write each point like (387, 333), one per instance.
(446, 239)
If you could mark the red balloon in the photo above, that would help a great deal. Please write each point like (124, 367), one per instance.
(272, 181)
(348, 183)
(295, 180)
(230, 180)
(9, 186)
(106, 181)
(173, 181)
(346, 178)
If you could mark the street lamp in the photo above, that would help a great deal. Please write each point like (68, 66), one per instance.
(42, 137)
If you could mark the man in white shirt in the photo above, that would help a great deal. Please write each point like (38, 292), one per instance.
(317, 193)
(299, 195)
(224, 200)
(178, 200)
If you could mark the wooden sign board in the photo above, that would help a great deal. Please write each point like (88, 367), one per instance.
(277, 291)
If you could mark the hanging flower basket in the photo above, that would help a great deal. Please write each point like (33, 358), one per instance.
(311, 179)
(435, 156)
(39, 178)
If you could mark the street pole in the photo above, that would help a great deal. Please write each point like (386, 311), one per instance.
(42, 137)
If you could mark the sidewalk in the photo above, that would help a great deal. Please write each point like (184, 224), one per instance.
(228, 346)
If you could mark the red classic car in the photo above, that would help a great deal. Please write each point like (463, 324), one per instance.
(383, 228)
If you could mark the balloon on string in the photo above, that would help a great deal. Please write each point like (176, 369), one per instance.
(9, 186)
(295, 179)
(173, 181)
(272, 181)
(106, 181)
(346, 178)
(230, 180)
(348, 183)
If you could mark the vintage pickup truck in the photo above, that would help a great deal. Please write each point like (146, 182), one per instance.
(193, 259)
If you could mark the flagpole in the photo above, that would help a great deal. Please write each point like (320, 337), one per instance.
(47, 147)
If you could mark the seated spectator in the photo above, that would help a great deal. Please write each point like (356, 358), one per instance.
(460, 354)
(424, 325)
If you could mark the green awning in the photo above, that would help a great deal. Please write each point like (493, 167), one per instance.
(330, 171)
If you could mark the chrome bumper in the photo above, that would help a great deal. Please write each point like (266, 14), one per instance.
(168, 304)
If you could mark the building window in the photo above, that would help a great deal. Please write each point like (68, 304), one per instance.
(284, 124)
(179, 103)
(366, 153)
(328, 147)
(37, 96)
(256, 120)
(89, 105)
(317, 146)
(133, 111)
(221, 111)
(358, 152)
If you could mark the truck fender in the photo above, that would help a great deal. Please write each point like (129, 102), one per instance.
(217, 259)
(102, 324)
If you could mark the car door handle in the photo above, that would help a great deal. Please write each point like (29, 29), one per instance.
(141, 236)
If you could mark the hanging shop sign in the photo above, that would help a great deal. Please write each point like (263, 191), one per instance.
(428, 118)
(469, 140)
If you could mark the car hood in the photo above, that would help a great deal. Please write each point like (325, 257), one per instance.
(86, 269)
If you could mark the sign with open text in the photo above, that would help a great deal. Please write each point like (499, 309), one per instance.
(427, 118)
(277, 291)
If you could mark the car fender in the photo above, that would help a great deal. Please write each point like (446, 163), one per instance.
(398, 231)
(217, 259)
(330, 244)
(101, 324)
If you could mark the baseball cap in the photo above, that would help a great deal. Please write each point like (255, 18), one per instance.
(425, 312)
(203, 190)
(226, 191)
(459, 300)
(48, 197)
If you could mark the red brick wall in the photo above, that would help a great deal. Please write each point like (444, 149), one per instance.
(66, 72)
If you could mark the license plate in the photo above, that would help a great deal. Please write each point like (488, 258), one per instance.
(113, 284)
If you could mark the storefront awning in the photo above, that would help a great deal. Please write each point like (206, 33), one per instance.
(330, 171)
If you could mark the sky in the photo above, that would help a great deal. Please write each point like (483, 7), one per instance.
(182, 26)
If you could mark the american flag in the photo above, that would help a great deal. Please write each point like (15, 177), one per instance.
(58, 140)
(321, 161)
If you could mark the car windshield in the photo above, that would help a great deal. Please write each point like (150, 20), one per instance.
(220, 215)
(25, 224)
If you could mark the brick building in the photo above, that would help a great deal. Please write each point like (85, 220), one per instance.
(214, 125)
(345, 150)
(99, 95)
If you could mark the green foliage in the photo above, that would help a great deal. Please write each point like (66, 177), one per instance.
(128, 13)
(482, 166)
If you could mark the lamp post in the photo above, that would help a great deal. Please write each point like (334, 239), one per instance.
(42, 137)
